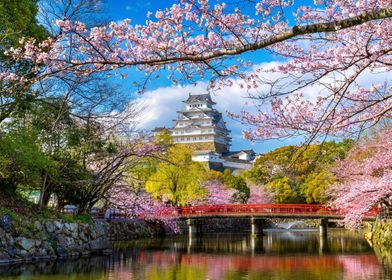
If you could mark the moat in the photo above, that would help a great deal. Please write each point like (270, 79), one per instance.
(288, 255)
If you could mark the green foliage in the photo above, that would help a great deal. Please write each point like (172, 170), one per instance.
(238, 183)
(22, 160)
(144, 167)
(164, 138)
(18, 19)
(303, 170)
(177, 179)
(43, 148)
(315, 186)
(79, 218)
(282, 190)
(71, 185)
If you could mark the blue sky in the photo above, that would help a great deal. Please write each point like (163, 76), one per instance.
(162, 99)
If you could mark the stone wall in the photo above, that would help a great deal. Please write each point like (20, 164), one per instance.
(52, 240)
(131, 229)
(206, 146)
(49, 240)
(220, 225)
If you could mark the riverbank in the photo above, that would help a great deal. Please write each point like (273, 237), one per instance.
(380, 233)
(50, 240)
(57, 239)
(29, 234)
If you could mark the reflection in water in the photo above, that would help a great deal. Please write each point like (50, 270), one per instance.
(276, 255)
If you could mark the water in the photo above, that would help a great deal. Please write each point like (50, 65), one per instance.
(285, 255)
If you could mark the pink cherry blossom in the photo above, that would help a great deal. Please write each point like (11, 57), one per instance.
(140, 204)
(329, 44)
(366, 178)
(258, 195)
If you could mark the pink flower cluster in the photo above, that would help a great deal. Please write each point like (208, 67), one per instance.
(366, 178)
(258, 195)
(192, 39)
(140, 204)
(217, 193)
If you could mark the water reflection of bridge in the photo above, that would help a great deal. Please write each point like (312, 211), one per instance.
(253, 244)
(273, 242)
(257, 213)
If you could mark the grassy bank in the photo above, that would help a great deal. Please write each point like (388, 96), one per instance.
(22, 212)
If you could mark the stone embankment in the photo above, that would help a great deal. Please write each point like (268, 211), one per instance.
(51, 240)
(132, 229)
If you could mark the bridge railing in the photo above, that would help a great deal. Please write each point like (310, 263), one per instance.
(250, 209)
(234, 209)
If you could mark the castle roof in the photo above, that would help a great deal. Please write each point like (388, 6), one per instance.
(233, 154)
(194, 98)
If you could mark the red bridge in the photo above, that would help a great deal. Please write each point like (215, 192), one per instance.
(257, 213)
(302, 211)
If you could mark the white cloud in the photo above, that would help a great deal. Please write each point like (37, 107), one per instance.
(163, 103)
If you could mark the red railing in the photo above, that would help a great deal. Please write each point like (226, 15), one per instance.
(267, 209)
(236, 210)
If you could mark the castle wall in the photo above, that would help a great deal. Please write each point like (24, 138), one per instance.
(205, 146)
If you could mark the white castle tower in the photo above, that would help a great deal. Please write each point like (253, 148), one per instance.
(201, 126)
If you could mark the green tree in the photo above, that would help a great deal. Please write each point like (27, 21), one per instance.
(178, 179)
(315, 186)
(306, 168)
(21, 161)
(238, 183)
(17, 20)
(282, 190)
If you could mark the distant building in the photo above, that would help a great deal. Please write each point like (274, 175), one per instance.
(201, 127)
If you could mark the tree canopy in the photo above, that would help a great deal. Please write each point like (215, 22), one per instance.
(299, 174)
(177, 179)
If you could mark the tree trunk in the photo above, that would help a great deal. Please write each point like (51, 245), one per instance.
(44, 195)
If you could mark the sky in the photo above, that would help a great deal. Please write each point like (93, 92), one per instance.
(162, 99)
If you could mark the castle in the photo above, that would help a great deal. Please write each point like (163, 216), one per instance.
(202, 128)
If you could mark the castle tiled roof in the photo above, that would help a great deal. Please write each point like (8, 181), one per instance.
(194, 98)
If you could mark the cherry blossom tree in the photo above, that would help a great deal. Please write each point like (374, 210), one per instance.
(217, 193)
(258, 195)
(324, 46)
(366, 176)
(140, 204)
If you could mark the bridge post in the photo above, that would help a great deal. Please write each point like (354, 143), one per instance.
(256, 227)
(323, 227)
(194, 227)
(323, 244)
(256, 244)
